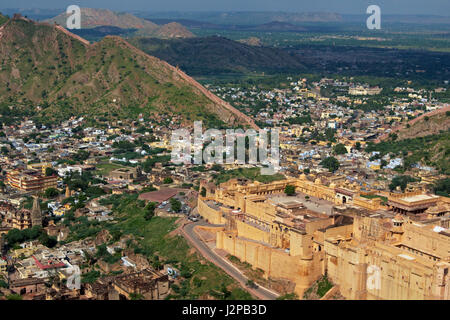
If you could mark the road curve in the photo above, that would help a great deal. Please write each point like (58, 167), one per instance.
(189, 233)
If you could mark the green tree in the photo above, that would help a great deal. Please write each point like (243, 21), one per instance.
(289, 190)
(50, 172)
(203, 192)
(175, 205)
(401, 181)
(51, 193)
(442, 187)
(339, 149)
(168, 180)
(150, 210)
(331, 163)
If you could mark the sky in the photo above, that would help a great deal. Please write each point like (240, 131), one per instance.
(434, 7)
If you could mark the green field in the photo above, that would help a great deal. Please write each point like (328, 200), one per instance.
(105, 168)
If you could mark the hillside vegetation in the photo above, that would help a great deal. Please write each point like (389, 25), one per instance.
(432, 150)
(46, 66)
(218, 55)
(3, 19)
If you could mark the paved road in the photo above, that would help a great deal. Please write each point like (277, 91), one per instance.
(208, 253)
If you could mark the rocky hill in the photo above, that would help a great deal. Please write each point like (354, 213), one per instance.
(430, 123)
(91, 18)
(45, 65)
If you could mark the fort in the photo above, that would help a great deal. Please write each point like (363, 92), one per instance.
(368, 250)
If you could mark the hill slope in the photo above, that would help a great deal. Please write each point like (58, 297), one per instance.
(91, 18)
(3, 19)
(426, 140)
(218, 55)
(46, 65)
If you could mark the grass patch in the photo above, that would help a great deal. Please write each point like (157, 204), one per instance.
(318, 289)
(105, 168)
(384, 200)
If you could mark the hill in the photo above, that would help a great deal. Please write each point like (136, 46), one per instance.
(424, 140)
(247, 17)
(3, 19)
(46, 65)
(91, 18)
(430, 123)
(218, 55)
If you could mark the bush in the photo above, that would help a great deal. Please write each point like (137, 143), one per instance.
(289, 190)
(51, 193)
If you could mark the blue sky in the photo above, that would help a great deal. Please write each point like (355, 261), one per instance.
(437, 7)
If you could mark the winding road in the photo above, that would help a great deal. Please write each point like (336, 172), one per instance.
(190, 234)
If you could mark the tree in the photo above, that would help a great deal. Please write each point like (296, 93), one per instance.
(289, 190)
(50, 172)
(442, 187)
(203, 192)
(51, 193)
(47, 241)
(401, 181)
(331, 163)
(358, 145)
(167, 180)
(175, 205)
(339, 149)
(150, 210)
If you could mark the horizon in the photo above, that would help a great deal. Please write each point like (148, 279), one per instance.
(222, 11)
(344, 7)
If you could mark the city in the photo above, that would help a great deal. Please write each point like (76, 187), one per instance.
(93, 205)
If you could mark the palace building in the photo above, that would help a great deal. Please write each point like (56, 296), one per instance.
(368, 250)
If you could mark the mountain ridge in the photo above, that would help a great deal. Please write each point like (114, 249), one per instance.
(91, 18)
(48, 66)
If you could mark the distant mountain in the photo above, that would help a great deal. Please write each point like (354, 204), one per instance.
(218, 55)
(188, 23)
(275, 26)
(272, 26)
(401, 18)
(169, 31)
(252, 41)
(246, 17)
(46, 65)
(92, 18)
